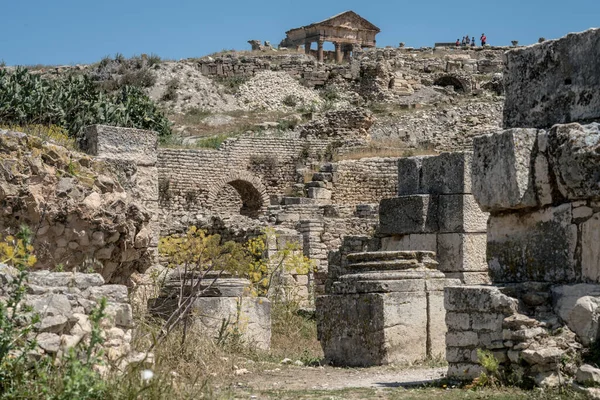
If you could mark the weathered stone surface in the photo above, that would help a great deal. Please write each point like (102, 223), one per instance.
(386, 307)
(553, 82)
(362, 330)
(538, 246)
(408, 214)
(550, 355)
(409, 175)
(579, 307)
(414, 242)
(588, 375)
(125, 144)
(462, 252)
(590, 250)
(502, 174)
(460, 213)
(448, 173)
(574, 159)
(252, 316)
(478, 299)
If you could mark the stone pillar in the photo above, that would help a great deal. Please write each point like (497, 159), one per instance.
(132, 154)
(307, 47)
(384, 307)
(320, 50)
(338, 53)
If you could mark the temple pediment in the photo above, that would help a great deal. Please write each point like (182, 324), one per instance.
(349, 20)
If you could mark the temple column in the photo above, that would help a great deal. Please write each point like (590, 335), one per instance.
(320, 50)
(338, 52)
(307, 47)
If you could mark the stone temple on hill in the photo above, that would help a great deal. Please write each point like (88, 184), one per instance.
(346, 31)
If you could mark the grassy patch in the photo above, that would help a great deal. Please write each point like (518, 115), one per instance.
(213, 142)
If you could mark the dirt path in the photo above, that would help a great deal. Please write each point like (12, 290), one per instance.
(329, 378)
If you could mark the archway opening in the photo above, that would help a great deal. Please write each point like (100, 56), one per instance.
(450, 81)
(239, 196)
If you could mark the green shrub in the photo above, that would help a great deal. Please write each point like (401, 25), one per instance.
(74, 102)
(213, 142)
(171, 90)
(231, 83)
(290, 100)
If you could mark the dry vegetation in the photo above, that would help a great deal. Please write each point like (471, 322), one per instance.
(384, 148)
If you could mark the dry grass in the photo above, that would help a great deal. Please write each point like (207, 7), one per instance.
(195, 122)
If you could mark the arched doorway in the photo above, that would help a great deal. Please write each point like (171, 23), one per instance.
(241, 193)
(449, 80)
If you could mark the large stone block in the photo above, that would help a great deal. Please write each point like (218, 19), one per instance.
(408, 214)
(250, 316)
(448, 173)
(553, 82)
(579, 307)
(537, 246)
(409, 175)
(414, 242)
(357, 330)
(460, 213)
(462, 252)
(123, 144)
(502, 169)
(590, 249)
(575, 160)
(484, 299)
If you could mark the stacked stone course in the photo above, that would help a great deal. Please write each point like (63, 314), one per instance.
(435, 211)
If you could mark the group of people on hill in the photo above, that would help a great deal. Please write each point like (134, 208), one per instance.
(467, 41)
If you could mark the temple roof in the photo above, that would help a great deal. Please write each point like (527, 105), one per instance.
(331, 21)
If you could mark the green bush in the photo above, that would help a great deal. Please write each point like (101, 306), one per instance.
(73, 102)
(171, 90)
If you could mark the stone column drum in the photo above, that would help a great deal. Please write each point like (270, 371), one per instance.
(385, 307)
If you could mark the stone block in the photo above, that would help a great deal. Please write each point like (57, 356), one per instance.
(579, 307)
(462, 252)
(448, 173)
(553, 82)
(590, 249)
(319, 193)
(436, 324)
(462, 339)
(502, 175)
(464, 371)
(487, 322)
(460, 213)
(252, 317)
(470, 278)
(409, 175)
(458, 321)
(355, 330)
(538, 246)
(123, 144)
(408, 214)
(414, 242)
(484, 299)
(574, 159)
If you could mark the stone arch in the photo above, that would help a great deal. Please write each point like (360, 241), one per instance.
(460, 84)
(250, 188)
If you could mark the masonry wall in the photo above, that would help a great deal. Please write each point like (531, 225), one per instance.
(364, 181)
(190, 180)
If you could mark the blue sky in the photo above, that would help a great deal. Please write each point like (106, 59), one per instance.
(83, 31)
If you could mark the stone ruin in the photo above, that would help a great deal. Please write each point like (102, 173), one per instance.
(382, 307)
(535, 305)
(540, 187)
(436, 211)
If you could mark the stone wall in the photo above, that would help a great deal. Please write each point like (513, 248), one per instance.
(79, 213)
(436, 211)
(312, 73)
(257, 167)
(540, 189)
(65, 301)
(132, 156)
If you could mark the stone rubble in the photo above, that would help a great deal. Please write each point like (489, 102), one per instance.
(270, 90)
